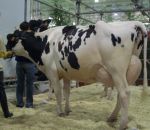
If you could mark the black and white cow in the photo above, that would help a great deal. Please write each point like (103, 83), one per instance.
(79, 52)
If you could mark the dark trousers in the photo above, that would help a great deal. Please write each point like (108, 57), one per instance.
(3, 98)
(25, 78)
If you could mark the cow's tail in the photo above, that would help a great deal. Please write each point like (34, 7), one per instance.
(145, 61)
(145, 36)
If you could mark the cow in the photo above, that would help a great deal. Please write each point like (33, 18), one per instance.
(133, 72)
(79, 52)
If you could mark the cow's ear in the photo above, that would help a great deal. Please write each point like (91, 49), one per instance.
(10, 36)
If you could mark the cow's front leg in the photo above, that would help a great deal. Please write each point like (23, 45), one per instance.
(105, 91)
(58, 93)
(50, 91)
(66, 91)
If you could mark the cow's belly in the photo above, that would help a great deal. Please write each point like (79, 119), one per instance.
(87, 72)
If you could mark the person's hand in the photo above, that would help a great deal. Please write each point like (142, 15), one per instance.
(9, 54)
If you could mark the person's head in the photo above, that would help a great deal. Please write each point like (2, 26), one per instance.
(24, 26)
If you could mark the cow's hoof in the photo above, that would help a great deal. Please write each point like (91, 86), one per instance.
(61, 114)
(111, 119)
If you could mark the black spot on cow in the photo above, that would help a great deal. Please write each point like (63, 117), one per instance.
(60, 46)
(70, 45)
(137, 28)
(73, 61)
(77, 44)
(139, 32)
(119, 40)
(132, 37)
(53, 43)
(115, 40)
(81, 32)
(63, 57)
(69, 30)
(66, 50)
(90, 31)
(47, 49)
(34, 46)
(62, 66)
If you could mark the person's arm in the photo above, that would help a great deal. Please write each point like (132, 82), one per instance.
(6, 54)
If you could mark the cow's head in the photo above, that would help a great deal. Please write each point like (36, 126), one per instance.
(26, 44)
(15, 42)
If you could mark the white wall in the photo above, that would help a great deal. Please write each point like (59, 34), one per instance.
(11, 15)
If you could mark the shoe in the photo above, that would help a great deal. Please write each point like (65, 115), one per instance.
(8, 115)
(29, 106)
(20, 106)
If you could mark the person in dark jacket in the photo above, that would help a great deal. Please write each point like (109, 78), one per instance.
(25, 71)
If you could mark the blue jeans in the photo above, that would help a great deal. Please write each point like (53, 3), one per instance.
(25, 77)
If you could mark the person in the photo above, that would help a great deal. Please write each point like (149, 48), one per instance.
(3, 97)
(25, 71)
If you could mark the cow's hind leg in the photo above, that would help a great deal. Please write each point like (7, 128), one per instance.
(66, 91)
(122, 101)
(114, 114)
(107, 92)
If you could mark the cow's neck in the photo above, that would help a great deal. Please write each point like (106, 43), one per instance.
(35, 47)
